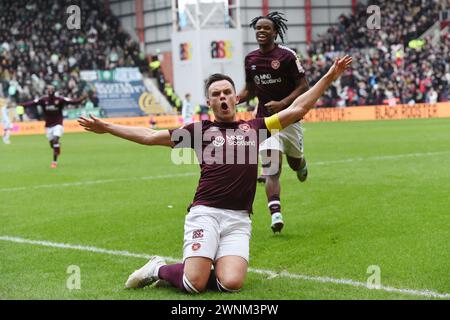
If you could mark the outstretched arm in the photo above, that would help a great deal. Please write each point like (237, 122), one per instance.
(136, 134)
(31, 103)
(300, 107)
(77, 100)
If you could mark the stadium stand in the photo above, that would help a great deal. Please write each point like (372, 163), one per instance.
(35, 48)
(391, 65)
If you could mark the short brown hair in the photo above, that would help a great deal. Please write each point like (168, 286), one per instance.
(217, 77)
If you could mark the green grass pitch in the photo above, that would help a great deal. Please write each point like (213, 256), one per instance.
(377, 194)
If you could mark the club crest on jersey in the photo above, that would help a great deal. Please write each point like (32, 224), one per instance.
(196, 246)
(244, 127)
(275, 64)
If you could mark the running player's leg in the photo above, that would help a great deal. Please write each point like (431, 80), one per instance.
(273, 192)
(54, 135)
(272, 171)
(294, 163)
(6, 135)
(271, 151)
(56, 148)
(292, 138)
(7, 126)
(299, 166)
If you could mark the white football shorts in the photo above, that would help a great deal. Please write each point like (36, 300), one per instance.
(214, 233)
(289, 141)
(55, 131)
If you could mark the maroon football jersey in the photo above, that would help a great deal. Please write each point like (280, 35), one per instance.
(228, 158)
(52, 107)
(274, 75)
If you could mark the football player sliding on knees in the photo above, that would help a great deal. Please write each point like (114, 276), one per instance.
(217, 229)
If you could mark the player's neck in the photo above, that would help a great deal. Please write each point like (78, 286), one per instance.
(266, 48)
(225, 120)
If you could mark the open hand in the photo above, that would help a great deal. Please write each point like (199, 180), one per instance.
(93, 124)
(339, 66)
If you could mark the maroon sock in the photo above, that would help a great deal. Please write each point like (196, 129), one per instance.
(56, 151)
(173, 273)
(274, 204)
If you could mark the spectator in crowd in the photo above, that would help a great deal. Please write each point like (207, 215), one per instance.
(20, 111)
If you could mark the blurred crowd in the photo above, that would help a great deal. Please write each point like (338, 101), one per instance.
(37, 48)
(391, 65)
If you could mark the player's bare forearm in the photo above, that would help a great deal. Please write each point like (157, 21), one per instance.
(77, 100)
(301, 87)
(136, 134)
(243, 95)
(139, 135)
(301, 105)
(247, 93)
(28, 104)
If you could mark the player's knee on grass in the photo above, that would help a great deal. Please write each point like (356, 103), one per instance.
(230, 284)
(230, 273)
(195, 282)
(196, 274)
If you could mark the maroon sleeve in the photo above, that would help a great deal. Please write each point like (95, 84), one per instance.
(66, 101)
(259, 125)
(293, 67)
(248, 77)
(183, 137)
(31, 103)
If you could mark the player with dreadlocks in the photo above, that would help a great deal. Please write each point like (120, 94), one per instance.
(274, 75)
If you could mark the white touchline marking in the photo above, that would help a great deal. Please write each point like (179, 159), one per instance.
(188, 174)
(386, 157)
(375, 158)
(82, 183)
(270, 274)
